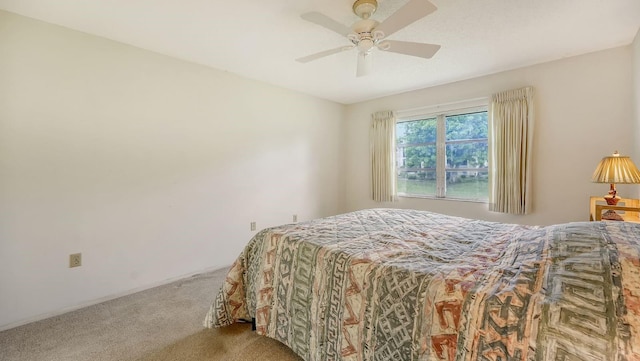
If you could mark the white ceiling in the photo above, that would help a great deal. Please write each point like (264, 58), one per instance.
(260, 39)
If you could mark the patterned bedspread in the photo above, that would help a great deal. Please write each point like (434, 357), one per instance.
(386, 284)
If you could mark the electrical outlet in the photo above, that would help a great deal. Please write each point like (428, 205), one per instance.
(75, 260)
(253, 226)
(295, 218)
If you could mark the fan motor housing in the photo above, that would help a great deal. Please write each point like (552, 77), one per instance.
(364, 26)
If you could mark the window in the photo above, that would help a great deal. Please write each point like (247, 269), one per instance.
(444, 155)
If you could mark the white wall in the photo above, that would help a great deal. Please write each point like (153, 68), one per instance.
(583, 107)
(152, 167)
(636, 99)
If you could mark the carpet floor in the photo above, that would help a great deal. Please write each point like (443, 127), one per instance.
(159, 324)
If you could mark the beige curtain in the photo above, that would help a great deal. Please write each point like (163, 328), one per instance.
(511, 121)
(383, 156)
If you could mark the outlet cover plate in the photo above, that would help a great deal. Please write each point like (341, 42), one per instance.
(75, 260)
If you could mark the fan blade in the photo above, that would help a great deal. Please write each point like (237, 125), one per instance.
(420, 50)
(409, 13)
(322, 54)
(326, 22)
(365, 64)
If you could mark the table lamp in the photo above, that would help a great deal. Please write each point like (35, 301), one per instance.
(615, 169)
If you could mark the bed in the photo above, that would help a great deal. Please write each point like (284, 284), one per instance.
(389, 284)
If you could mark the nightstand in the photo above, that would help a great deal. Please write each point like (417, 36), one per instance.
(627, 208)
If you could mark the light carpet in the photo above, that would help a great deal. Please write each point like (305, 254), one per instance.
(162, 323)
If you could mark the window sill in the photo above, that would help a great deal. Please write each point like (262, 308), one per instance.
(443, 199)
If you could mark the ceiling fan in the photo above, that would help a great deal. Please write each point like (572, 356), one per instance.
(367, 34)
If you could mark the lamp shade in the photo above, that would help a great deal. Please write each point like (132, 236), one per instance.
(616, 169)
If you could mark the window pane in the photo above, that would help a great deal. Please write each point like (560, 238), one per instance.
(468, 184)
(417, 157)
(467, 126)
(416, 132)
(417, 182)
(467, 155)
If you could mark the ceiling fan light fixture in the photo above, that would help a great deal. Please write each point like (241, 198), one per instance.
(365, 45)
(365, 8)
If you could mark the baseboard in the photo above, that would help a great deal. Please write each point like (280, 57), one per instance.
(104, 299)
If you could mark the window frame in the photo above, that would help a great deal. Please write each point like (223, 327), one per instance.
(440, 113)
